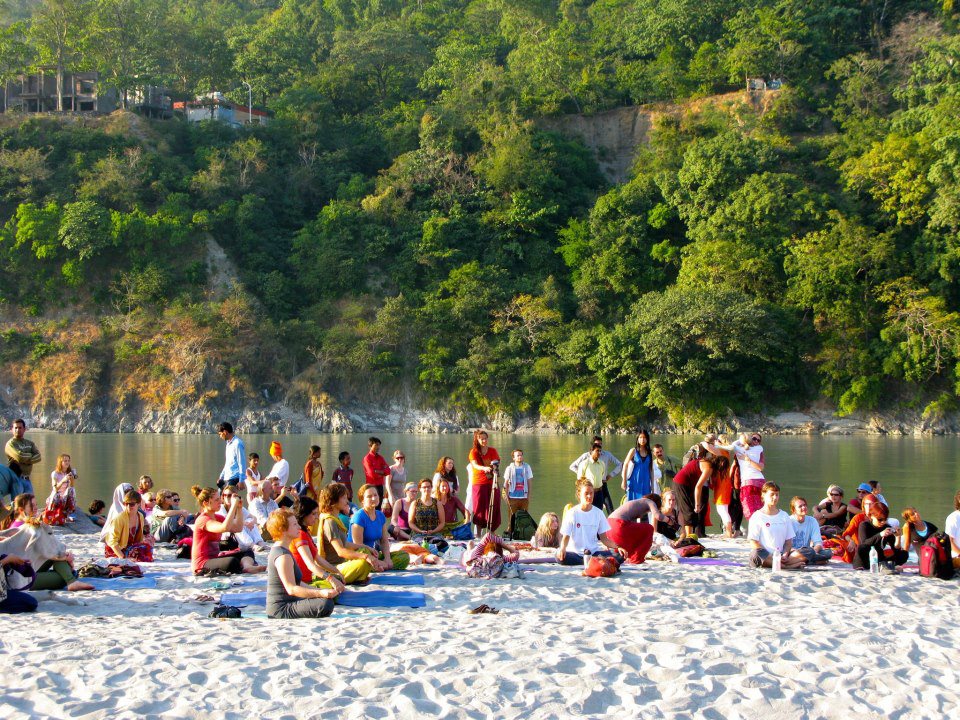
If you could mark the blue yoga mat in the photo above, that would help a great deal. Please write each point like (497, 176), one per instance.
(382, 598)
(348, 598)
(392, 579)
(141, 583)
(396, 580)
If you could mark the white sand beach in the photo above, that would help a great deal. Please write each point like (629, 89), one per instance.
(659, 641)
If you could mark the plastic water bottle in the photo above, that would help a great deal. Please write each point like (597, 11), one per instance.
(777, 559)
(874, 561)
(586, 557)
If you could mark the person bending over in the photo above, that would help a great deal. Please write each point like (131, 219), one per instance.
(806, 533)
(584, 530)
(288, 596)
(632, 526)
(771, 529)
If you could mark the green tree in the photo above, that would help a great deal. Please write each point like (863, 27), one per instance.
(59, 29)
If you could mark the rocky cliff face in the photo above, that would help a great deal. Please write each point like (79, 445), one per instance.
(407, 417)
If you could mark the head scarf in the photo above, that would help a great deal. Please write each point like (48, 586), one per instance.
(116, 506)
(276, 448)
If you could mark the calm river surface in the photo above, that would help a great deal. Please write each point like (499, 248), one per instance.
(923, 472)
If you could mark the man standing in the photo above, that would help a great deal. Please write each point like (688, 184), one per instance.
(235, 462)
(22, 451)
(602, 497)
(664, 468)
(375, 468)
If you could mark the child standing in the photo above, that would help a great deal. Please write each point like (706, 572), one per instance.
(344, 473)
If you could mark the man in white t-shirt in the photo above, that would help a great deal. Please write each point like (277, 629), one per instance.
(516, 486)
(771, 529)
(584, 528)
(952, 528)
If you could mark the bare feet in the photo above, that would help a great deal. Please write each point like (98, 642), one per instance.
(77, 585)
(250, 569)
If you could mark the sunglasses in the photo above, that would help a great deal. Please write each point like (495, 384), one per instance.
(399, 457)
(131, 504)
(834, 494)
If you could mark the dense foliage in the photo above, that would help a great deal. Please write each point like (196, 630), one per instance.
(408, 225)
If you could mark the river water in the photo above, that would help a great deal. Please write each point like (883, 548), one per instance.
(922, 472)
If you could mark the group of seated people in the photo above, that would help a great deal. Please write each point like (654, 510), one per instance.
(321, 546)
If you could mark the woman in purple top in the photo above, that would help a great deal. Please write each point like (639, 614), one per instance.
(451, 504)
(399, 517)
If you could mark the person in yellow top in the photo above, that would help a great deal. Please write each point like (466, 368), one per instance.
(595, 470)
(23, 451)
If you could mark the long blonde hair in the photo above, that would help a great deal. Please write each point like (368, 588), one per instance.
(545, 535)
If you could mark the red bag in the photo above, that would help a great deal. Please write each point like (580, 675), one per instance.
(601, 567)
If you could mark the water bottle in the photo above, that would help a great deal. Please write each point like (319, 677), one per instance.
(777, 558)
(586, 557)
(874, 561)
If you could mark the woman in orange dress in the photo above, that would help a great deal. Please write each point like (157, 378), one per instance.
(480, 465)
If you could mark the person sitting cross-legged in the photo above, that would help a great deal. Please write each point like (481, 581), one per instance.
(584, 528)
(770, 531)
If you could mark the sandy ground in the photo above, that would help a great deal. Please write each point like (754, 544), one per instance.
(659, 641)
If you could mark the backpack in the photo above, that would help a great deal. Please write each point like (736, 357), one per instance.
(301, 486)
(688, 547)
(524, 526)
(935, 558)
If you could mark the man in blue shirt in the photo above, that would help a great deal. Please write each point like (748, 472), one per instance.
(235, 462)
(807, 539)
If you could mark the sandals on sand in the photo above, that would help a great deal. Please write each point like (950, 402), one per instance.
(484, 609)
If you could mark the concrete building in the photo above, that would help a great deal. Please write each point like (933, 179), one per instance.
(37, 92)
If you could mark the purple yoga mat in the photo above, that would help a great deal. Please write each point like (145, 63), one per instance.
(710, 561)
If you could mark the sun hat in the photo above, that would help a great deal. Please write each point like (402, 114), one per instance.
(865, 487)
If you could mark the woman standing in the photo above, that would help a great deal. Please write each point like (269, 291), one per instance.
(398, 478)
(638, 469)
(446, 470)
(313, 477)
(480, 465)
(287, 595)
(426, 515)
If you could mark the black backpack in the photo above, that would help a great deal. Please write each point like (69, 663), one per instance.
(524, 526)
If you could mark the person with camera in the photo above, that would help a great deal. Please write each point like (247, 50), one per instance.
(206, 557)
(483, 464)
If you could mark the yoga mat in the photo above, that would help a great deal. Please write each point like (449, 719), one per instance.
(142, 583)
(387, 579)
(536, 560)
(348, 598)
(396, 580)
(382, 598)
(719, 562)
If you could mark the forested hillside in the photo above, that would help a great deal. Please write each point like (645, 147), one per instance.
(406, 226)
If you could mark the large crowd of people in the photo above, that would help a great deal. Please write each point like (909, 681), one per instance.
(322, 536)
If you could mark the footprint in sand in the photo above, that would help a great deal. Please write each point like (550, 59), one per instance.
(197, 678)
